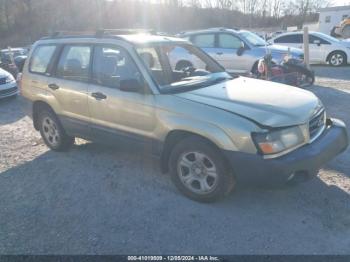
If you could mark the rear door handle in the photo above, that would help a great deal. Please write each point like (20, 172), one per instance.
(53, 86)
(219, 53)
(98, 96)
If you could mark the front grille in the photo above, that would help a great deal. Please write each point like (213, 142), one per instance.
(8, 91)
(317, 124)
(2, 80)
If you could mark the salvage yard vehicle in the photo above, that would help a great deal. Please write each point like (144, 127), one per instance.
(8, 59)
(239, 51)
(323, 48)
(8, 85)
(210, 130)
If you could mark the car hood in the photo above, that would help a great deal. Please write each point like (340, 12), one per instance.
(284, 49)
(267, 103)
(3, 73)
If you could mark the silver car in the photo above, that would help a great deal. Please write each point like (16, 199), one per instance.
(8, 85)
(323, 48)
(237, 50)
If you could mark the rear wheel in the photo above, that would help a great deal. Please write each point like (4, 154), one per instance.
(52, 132)
(199, 171)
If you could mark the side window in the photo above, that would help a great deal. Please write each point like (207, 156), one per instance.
(290, 39)
(204, 40)
(150, 57)
(112, 65)
(229, 41)
(74, 63)
(313, 38)
(41, 58)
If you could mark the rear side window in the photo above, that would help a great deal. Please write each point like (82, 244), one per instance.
(204, 40)
(290, 39)
(74, 63)
(41, 58)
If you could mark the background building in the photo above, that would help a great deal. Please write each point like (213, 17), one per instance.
(332, 16)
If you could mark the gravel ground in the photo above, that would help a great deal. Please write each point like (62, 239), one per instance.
(99, 200)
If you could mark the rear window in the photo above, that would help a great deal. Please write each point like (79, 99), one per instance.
(41, 58)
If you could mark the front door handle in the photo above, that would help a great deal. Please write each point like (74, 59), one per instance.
(98, 96)
(219, 53)
(53, 86)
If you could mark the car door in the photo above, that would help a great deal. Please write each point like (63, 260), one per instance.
(119, 115)
(40, 67)
(228, 45)
(207, 42)
(318, 49)
(69, 86)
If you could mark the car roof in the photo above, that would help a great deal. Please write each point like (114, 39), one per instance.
(297, 33)
(13, 49)
(134, 39)
(150, 39)
(210, 30)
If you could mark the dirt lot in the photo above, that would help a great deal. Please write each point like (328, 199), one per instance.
(98, 200)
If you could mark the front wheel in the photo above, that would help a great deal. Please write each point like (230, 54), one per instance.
(53, 133)
(337, 59)
(199, 171)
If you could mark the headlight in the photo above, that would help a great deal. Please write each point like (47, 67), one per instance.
(279, 140)
(10, 79)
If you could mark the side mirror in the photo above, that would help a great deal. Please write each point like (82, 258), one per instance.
(241, 49)
(130, 85)
(317, 42)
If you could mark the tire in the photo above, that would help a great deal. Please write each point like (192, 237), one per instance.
(182, 65)
(337, 58)
(52, 131)
(310, 80)
(199, 171)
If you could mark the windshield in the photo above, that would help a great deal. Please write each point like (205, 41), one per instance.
(179, 66)
(253, 39)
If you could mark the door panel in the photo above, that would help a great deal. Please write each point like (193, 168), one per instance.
(228, 45)
(123, 113)
(70, 84)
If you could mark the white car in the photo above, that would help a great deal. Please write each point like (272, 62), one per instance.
(323, 48)
(8, 84)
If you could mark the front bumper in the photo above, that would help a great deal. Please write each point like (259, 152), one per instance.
(308, 159)
(8, 90)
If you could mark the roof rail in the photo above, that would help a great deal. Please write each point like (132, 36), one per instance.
(127, 31)
(100, 33)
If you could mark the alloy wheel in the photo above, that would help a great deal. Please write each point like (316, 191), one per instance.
(197, 172)
(337, 59)
(50, 131)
